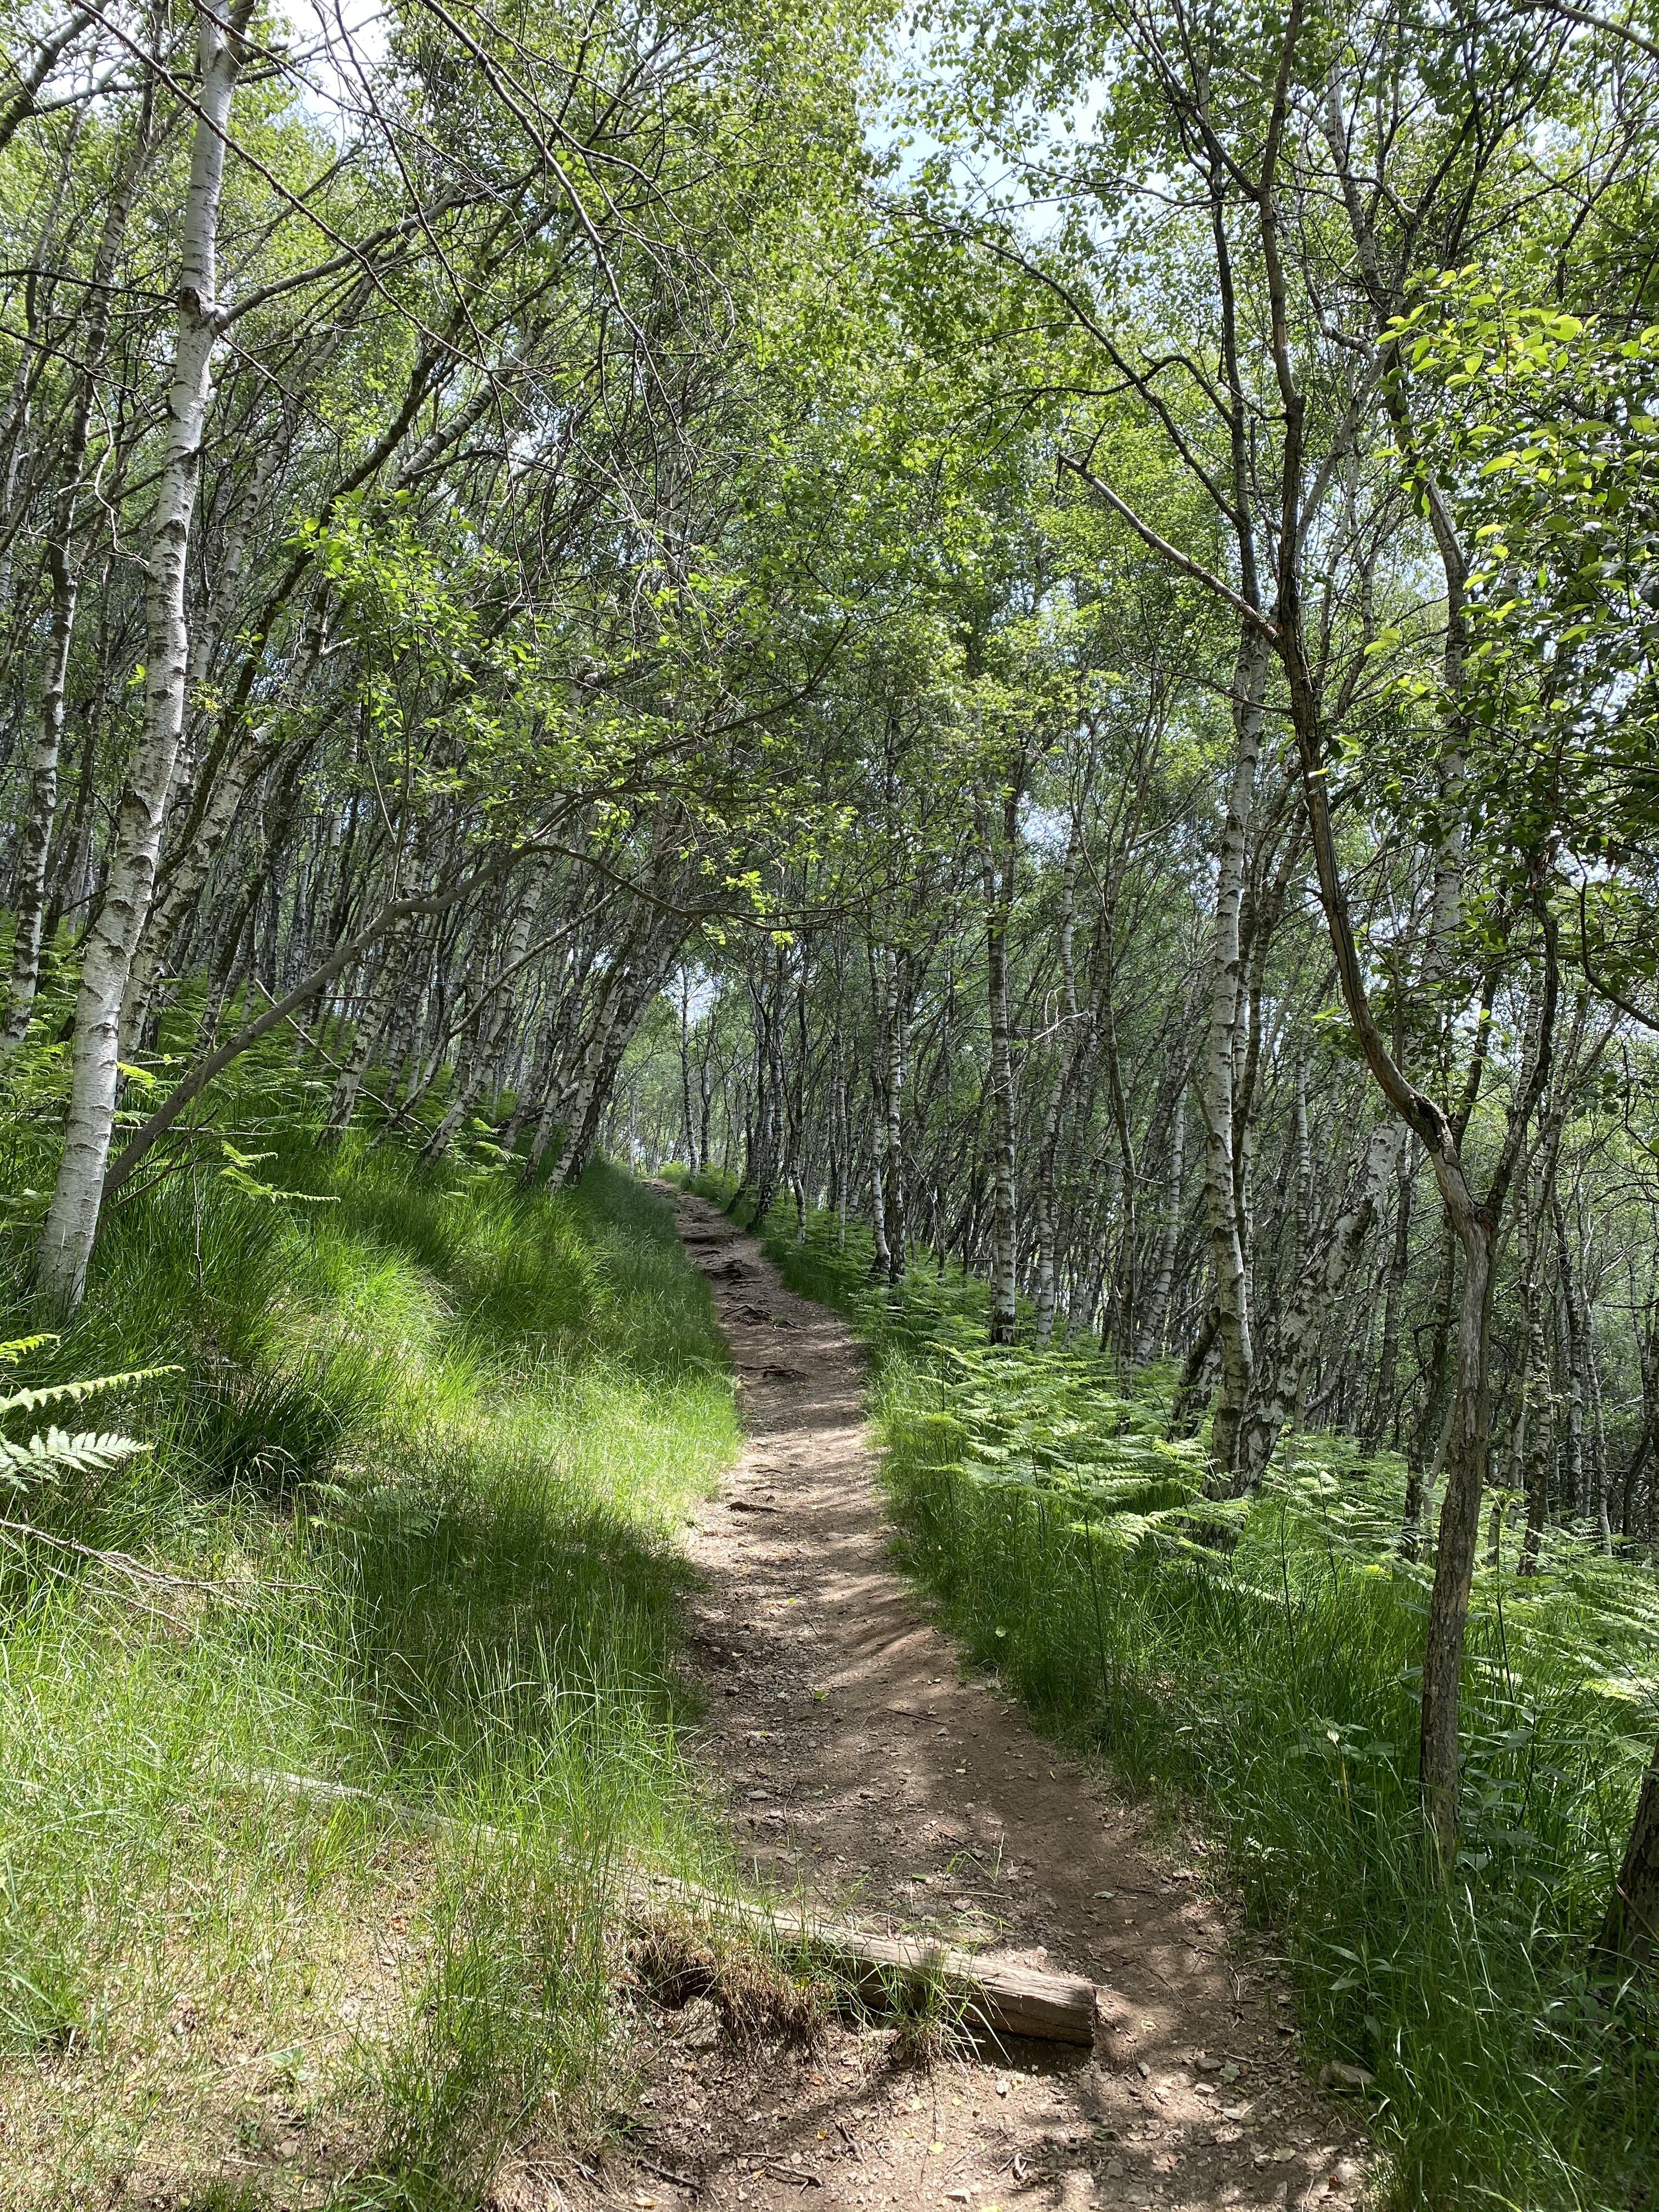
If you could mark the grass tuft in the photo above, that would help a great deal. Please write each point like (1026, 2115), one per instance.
(763, 2002)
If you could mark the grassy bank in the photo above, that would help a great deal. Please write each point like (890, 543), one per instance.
(1270, 1681)
(412, 1495)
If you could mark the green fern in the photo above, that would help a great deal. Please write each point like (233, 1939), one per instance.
(84, 1453)
(87, 1451)
(21, 1346)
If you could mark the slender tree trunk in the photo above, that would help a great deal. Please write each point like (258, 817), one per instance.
(1468, 1429)
(480, 1041)
(1303, 1165)
(368, 1031)
(684, 1039)
(74, 877)
(893, 1190)
(1219, 1064)
(881, 1014)
(34, 840)
(1629, 1932)
(880, 1264)
(1603, 1471)
(538, 1068)
(841, 1125)
(1154, 1331)
(599, 1072)
(71, 1224)
(21, 104)
(1384, 1405)
(1575, 1337)
(1320, 1284)
(1428, 1438)
(999, 874)
(1535, 1386)
(571, 1104)
(1054, 1110)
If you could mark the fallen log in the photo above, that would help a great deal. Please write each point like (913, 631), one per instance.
(885, 1970)
(1007, 1999)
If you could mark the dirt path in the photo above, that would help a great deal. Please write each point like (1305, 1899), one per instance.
(860, 1767)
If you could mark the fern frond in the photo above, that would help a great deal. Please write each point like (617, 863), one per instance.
(58, 1394)
(21, 1346)
(85, 1452)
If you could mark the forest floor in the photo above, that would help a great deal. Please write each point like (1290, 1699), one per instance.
(864, 1768)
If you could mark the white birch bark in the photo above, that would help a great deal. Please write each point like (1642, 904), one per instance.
(35, 839)
(71, 1224)
(998, 896)
(881, 1257)
(1048, 1145)
(1219, 1062)
(370, 1027)
(486, 1037)
(1279, 1393)
(1574, 1336)
(1303, 1165)
(841, 1135)
(182, 875)
(892, 1189)
(1154, 1324)
(626, 1011)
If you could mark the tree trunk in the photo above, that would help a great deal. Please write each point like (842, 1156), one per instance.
(1384, 1407)
(1053, 1111)
(1426, 1444)
(892, 1186)
(368, 1030)
(1603, 1468)
(34, 840)
(1629, 1932)
(999, 876)
(1575, 1336)
(1536, 1458)
(1218, 1067)
(480, 1040)
(71, 1224)
(1154, 1322)
(1468, 1429)
(599, 1079)
(1319, 1285)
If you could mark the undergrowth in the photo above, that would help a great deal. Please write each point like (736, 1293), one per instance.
(1261, 1661)
(403, 1530)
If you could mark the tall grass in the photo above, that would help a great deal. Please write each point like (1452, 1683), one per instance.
(415, 1487)
(1271, 1678)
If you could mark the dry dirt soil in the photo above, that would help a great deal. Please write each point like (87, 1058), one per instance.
(861, 1767)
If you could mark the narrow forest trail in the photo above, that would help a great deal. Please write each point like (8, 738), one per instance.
(860, 1768)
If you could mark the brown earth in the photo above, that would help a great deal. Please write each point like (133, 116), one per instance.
(861, 1768)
